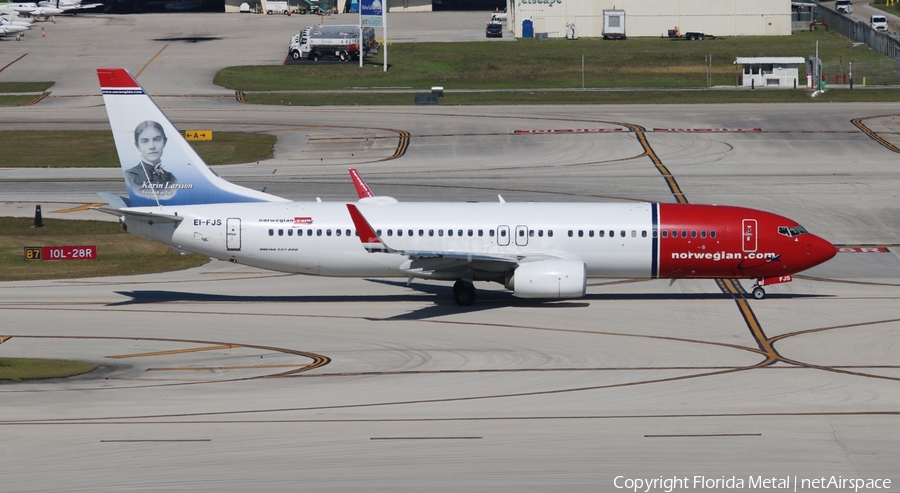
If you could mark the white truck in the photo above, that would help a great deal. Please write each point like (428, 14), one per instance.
(332, 41)
(277, 7)
(613, 24)
(879, 23)
(843, 7)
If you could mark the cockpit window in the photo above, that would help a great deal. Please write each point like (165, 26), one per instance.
(791, 231)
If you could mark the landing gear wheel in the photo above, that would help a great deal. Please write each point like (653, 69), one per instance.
(759, 293)
(463, 293)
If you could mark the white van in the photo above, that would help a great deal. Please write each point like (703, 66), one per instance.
(879, 23)
(843, 7)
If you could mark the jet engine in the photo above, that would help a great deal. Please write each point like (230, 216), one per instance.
(552, 278)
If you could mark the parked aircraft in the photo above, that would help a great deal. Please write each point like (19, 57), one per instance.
(69, 6)
(9, 27)
(537, 250)
(28, 8)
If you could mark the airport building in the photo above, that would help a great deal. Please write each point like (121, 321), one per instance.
(650, 18)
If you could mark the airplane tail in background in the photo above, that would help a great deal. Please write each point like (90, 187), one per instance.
(160, 167)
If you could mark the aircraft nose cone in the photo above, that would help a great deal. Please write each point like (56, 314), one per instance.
(820, 250)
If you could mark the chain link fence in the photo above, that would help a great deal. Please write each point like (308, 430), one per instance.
(873, 73)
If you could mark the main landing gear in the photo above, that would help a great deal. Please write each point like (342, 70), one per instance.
(463, 293)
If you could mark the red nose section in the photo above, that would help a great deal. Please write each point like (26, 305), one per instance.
(820, 250)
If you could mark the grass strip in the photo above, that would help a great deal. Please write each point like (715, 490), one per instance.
(119, 253)
(19, 369)
(96, 149)
(579, 97)
(6, 87)
(557, 63)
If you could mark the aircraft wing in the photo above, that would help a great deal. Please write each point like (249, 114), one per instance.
(373, 244)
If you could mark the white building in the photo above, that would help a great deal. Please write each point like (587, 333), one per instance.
(771, 71)
(654, 18)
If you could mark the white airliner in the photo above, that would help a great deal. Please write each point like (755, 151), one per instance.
(536, 250)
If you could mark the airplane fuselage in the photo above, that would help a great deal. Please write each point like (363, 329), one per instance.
(619, 240)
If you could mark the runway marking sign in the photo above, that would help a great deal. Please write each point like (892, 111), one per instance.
(86, 252)
(570, 131)
(863, 250)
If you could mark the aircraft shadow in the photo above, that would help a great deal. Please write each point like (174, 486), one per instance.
(440, 296)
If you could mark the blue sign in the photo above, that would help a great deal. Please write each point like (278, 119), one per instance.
(370, 7)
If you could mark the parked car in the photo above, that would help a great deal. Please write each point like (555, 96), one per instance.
(494, 30)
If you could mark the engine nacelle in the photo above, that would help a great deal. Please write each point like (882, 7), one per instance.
(552, 278)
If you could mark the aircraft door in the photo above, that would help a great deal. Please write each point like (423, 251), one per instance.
(233, 233)
(521, 235)
(503, 235)
(748, 231)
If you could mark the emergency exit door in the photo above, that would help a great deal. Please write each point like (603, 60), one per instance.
(748, 229)
(233, 233)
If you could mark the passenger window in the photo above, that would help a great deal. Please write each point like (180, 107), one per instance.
(471, 232)
(712, 234)
(271, 232)
(503, 233)
(693, 234)
(280, 232)
(580, 233)
(480, 232)
(290, 232)
(601, 233)
(430, 232)
(521, 233)
(684, 233)
(422, 232)
(299, 232)
(703, 234)
(633, 233)
(612, 234)
(440, 232)
(378, 232)
(399, 232)
(458, 232)
(622, 233)
(449, 232)
(491, 233)
(550, 233)
(591, 233)
(571, 233)
(531, 233)
(348, 232)
(409, 232)
(318, 232)
(665, 233)
(390, 232)
(656, 233)
(337, 232)
(327, 232)
(541, 233)
(644, 234)
(308, 232)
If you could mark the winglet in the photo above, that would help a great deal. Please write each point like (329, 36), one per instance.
(370, 240)
(362, 188)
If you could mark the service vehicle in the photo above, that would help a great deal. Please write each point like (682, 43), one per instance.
(843, 7)
(879, 23)
(339, 41)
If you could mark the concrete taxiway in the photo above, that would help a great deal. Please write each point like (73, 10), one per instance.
(227, 378)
